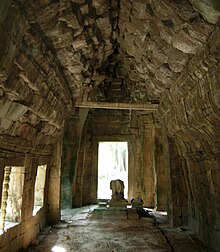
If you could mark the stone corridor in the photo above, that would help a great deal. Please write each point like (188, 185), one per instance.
(75, 73)
(78, 231)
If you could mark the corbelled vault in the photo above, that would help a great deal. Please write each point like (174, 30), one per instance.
(77, 72)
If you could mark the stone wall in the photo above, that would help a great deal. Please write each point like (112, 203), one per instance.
(147, 175)
(23, 233)
(191, 115)
(34, 102)
(32, 108)
(170, 51)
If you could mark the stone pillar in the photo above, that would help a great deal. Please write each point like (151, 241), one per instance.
(149, 174)
(71, 145)
(28, 189)
(138, 179)
(169, 187)
(2, 166)
(179, 196)
(161, 170)
(78, 185)
(54, 183)
(87, 169)
(135, 169)
(69, 160)
(4, 197)
(131, 168)
(94, 173)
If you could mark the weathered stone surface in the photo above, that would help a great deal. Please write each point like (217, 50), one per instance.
(53, 53)
(210, 10)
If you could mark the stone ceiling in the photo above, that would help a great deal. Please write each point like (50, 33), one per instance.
(59, 52)
(155, 39)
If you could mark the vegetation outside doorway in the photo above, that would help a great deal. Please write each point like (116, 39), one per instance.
(112, 164)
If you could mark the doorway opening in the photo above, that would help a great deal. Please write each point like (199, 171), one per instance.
(112, 164)
(39, 188)
(12, 196)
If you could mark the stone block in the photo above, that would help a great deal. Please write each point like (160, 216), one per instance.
(139, 9)
(101, 6)
(79, 43)
(125, 5)
(13, 245)
(132, 214)
(3, 240)
(162, 10)
(78, 1)
(13, 232)
(4, 9)
(84, 9)
(207, 10)
(115, 213)
(97, 214)
(185, 43)
(102, 204)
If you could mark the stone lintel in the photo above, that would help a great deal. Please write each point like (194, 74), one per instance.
(116, 105)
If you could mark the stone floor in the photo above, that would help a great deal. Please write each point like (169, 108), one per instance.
(77, 231)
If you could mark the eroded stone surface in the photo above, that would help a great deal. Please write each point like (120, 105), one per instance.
(53, 53)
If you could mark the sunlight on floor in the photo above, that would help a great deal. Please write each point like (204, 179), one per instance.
(58, 249)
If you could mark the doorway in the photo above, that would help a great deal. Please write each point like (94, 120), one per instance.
(112, 164)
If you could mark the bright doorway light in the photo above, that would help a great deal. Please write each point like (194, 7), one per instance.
(112, 164)
(39, 188)
(12, 197)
